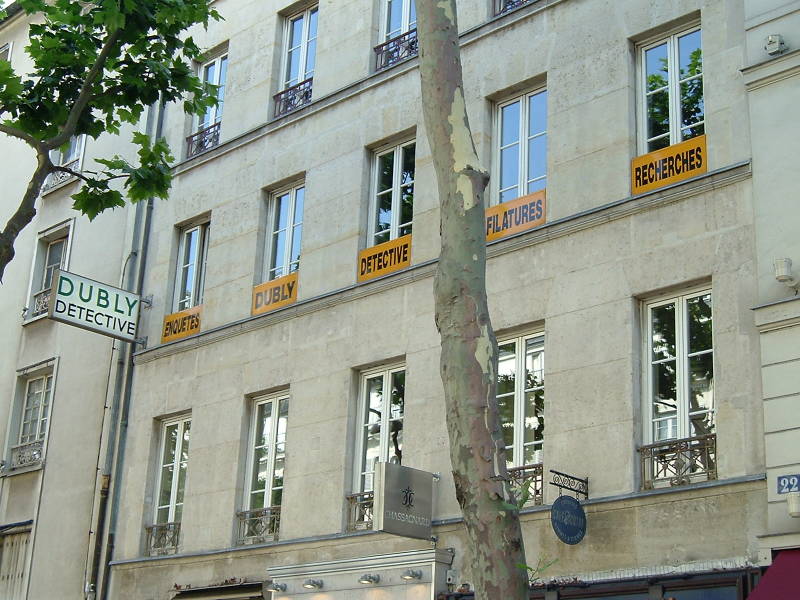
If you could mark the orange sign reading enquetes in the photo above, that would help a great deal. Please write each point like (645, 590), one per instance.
(668, 165)
(181, 324)
(384, 258)
(526, 212)
(274, 294)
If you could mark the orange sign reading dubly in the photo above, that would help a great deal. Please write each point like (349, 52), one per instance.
(384, 258)
(181, 324)
(526, 212)
(274, 294)
(668, 165)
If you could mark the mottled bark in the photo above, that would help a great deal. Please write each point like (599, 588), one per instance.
(469, 349)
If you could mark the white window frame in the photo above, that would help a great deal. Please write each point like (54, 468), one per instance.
(63, 157)
(215, 112)
(61, 231)
(286, 266)
(673, 86)
(199, 261)
(305, 41)
(683, 413)
(397, 185)
(406, 25)
(276, 401)
(182, 423)
(518, 446)
(7, 49)
(15, 546)
(523, 140)
(41, 422)
(360, 467)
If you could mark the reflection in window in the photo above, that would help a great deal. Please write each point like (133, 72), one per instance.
(268, 453)
(286, 225)
(522, 152)
(393, 202)
(190, 277)
(172, 471)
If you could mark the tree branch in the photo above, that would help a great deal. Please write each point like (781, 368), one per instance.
(40, 147)
(86, 91)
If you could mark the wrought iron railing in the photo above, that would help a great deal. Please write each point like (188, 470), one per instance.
(359, 514)
(26, 455)
(293, 97)
(528, 482)
(396, 50)
(505, 6)
(163, 538)
(259, 525)
(203, 140)
(679, 462)
(58, 177)
(41, 302)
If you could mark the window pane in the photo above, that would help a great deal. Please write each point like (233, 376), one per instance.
(181, 483)
(537, 157)
(256, 500)
(701, 382)
(165, 485)
(312, 24)
(394, 18)
(383, 212)
(509, 166)
(509, 194)
(398, 395)
(292, 68)
(412, 21)
(223, 74)
(532, 454)
(279, 249)
(662, 319)
(407, 175)
(260, 467)
(506, 369)
(187, 425)
(691, 54)
(534, 363)
(534, 416)
(406, 205)
(657, 68)
(509, 124)
(170, 444)
(385, 172)
(374, 399)
(664, 390)
(505, 406)
(658, 114)
(699, 317)
(537, 113)
(282, 211)
(692, 108)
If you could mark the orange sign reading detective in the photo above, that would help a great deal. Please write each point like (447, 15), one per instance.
(668, 165)
(274, 294)
(526, 212)
(181, 324)
(384, 258)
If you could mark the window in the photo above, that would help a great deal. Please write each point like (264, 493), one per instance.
(522, 146)
(298, 62)
(680, 377)
(69, 156)
(672, 82)
(520, 398)
(5, 52)
(164, 535)
(30, 417)
(393, 198)
(504, 6)
(36, 409)
(52, 252)
(215, 73)
(260, 520)
(190, 277)
(398, 33)
(380, 439)
(14, 564)
(286, 227)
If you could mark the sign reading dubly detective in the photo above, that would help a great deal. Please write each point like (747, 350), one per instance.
(526, 212)
(274, 294)
(668, 165)
(403, 501)
(568, 520)
(181, 324)
(384, 258)
(94, 306)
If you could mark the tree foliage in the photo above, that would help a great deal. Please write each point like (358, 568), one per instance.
(97, 65)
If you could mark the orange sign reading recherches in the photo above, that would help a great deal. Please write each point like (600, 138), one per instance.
(181, 324)
(274, 294)
(526, 212)
(668, 165)
(384, 258)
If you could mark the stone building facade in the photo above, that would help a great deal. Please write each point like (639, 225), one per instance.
(635, 149)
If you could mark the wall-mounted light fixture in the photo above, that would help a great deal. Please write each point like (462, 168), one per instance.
(774, 44)
(793, 502)
(783, 273)
(313, 584)
(369, 578)
(276, 587)
(410, 574)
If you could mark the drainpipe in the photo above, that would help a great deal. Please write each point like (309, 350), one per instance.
(112, 471)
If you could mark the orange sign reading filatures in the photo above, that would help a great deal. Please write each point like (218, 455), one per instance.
(526, 212)
(384, 258)
(274, 294)
(668, 165)
(181, 324)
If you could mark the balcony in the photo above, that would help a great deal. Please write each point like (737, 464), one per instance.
(293, 98)
(505, 6)
(527, 482)
(359, 513)
(26, 455)
(679, 462)
(41, 302)
(203, 140)
(259, 526)
(396, 50)
(56, 178)
(163, 538)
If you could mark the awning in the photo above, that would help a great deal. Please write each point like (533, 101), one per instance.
(782, 579)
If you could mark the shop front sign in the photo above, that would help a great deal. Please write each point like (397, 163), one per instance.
(669, 165)
(403, 501)
(568, 520)
(526, 212)
(274, 294)
(384, 258)
(181, 324)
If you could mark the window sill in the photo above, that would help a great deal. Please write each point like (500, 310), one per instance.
(69, 180)
(28, 321)
(6, 472)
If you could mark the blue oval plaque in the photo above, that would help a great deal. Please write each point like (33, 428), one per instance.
(568, 519)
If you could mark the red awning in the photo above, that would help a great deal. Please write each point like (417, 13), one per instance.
(782, 579)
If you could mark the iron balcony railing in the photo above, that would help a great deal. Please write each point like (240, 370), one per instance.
(505, 6)
(203, 140)
(26, 455)
(259, 525)
(528, 482)
(396, 50)
(360, 511)
(679, 462)
(293, 97)
(41, 302)
(56, 178)
(163, 538)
